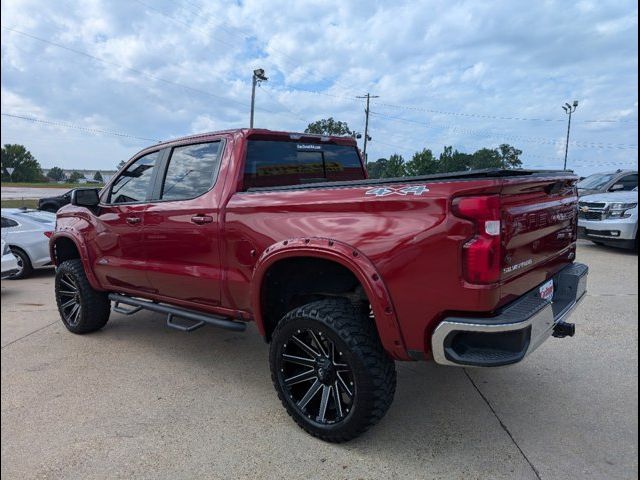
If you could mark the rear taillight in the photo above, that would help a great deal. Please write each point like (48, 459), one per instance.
(481, 255)
(48, 234)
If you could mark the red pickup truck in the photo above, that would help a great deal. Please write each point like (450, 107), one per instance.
(342, 274)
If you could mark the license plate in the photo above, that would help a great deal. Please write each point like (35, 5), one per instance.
(546, 291)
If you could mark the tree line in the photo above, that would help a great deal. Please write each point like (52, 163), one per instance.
(27, 169)
(425, 162)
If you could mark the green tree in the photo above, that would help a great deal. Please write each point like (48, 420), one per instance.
(57, 174)
(422, 163)
(329, 126)
(509, 156)
(376, 169)
(98, 176)
(486, 158)
(395, 167)
(451, 160)
(75, 176)
(26, 167)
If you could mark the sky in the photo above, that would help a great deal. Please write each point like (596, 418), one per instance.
(101, 80)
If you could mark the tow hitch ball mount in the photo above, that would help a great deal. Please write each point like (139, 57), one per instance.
(564, 329)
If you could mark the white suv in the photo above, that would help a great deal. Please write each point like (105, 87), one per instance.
(610, 218)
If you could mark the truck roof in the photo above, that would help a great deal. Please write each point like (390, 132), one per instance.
(263, 134)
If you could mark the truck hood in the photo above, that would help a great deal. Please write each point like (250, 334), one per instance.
(624, 197)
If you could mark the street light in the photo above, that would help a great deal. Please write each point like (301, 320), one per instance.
(568, 109)
(258, 76)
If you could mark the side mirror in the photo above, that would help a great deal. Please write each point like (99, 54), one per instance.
(85, 197)
(617, 187)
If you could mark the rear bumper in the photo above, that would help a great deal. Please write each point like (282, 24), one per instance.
(516, 331)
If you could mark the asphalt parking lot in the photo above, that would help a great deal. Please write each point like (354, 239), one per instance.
(140, 400)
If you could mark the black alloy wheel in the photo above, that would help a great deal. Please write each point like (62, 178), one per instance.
(315, 375)
(330, 370)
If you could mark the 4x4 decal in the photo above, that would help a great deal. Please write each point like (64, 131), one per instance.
(385, 191)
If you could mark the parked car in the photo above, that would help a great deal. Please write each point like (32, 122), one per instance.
(618, 181)
(341, 274)
(27, 233)
(610, 218)
(53, 204)
(9, 262)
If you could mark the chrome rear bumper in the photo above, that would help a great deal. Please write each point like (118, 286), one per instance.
(516, 331)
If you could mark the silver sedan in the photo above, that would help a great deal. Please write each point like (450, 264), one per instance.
(27, 233)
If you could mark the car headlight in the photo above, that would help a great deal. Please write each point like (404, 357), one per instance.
(620, 210)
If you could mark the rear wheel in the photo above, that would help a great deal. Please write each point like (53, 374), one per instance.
(81, 308)
(24, 264)
(330, 370)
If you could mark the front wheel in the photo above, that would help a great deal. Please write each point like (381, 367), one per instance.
(81, 308)
(330, 370)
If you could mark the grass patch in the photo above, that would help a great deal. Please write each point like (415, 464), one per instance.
(27, 202)
(51, 185)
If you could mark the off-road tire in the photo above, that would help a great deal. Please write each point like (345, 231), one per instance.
(26, 268)
(94, 307)
(338, 323)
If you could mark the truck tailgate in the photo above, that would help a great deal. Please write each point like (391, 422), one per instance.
(539, 225)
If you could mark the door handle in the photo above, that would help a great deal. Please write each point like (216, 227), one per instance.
(133, 220)
(201, 219)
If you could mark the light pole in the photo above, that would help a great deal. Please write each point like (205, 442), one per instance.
(258, 76)
(568, 109)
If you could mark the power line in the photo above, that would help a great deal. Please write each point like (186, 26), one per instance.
(78, 127)
(497, 117)
(502, 135)
(131, 69)
(275, 99)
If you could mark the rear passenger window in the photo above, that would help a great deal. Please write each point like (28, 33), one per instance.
(7, 223)
(133, 185)
(192, 170)
(278, 163)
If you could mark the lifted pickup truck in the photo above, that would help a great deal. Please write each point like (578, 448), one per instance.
(341, 274)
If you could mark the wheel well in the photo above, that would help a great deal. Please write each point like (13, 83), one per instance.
(65, 249)
(15, 247)
(293, 282)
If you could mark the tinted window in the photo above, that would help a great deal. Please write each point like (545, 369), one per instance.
(629, 181)
(133, 184)
(273, 163)
(7, 222)
(191, 171)
(595, 181)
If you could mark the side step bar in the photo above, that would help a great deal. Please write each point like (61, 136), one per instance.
(201, 319)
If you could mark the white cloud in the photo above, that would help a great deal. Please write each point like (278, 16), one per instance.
(499, 59)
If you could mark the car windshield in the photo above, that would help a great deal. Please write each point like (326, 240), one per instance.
(37, 216)
(595, 181)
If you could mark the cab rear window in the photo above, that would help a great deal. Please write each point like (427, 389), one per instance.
(277, 163)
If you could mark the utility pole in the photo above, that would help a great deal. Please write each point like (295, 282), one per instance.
(568, 109)
(258, 76)
(366, 124)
